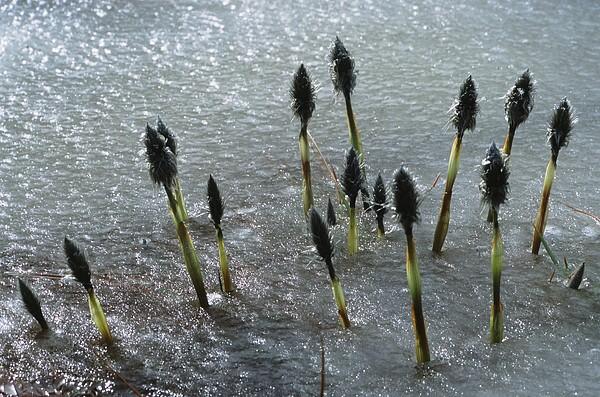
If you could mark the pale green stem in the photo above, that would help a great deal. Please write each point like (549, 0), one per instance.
(340, 301)
(307, 194)
(497, 312)
(441, 229)
(542, 214)
(414, 285)
(98, 316)
(183, 215)
(352, 233)
(223, 262)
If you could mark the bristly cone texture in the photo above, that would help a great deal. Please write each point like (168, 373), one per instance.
(78, 263)
(302, 94)
(379, 203)
(518, 101)
(320, 235)
(161, 160)
(170, 140)
(215, 203)
(494, 185)
(406, 199)
(32, 304)
(559, 128)
(341, 68)
(351, 180)
(465, 108)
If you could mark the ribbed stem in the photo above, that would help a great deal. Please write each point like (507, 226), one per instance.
(497, 312)
(98, 316)
(380, 227)
(340, 301)
(356, 142)
(307, 195)
(192, 263)
(352, 232)
(542, 214)
(508, 141)
(183, 215)
(441, 229)
(226, 283)
(414, 285)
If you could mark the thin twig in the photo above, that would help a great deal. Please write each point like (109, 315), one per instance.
(329, 168)
(596, 218)
(133, 389)
(322, 394)
(552, 276)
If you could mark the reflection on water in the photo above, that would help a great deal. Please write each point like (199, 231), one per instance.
(79, 82)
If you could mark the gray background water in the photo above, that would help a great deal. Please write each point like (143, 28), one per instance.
(79, 81)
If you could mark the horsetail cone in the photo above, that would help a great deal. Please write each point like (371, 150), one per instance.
(494, 189)
(518, 104)
(302, 94)
(343, 77)
(80, 269)
(463, 117)
(215, 205)
(32, 304)
(171, 143)
(322, 240)
(162, 164)
(352, 182)
(406, 205)
(559, 132)
(379, 204)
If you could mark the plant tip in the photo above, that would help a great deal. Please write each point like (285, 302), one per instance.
(560, 126)
(215, 203)
(406, 199)
(320, 235)
(519, 100)
(32, 303)
(331, 218)
(494, 185)
(161, 160)
(302, 94)
(465, 108)
(78, 263)
(341, 68)
(379, 204)
(351, 180)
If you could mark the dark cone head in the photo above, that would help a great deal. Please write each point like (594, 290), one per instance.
(379, 204)
(406, 199)
(561, 125)
(215, 203)
(320, 235)
(494, 178)
(352, 177)
(170, 140)
(331, 218)
(519, 100)
(341, 68)
(161, 160)
(465, 108)
(78, 263)
(302, 94)
(32, 304)
(576, 277)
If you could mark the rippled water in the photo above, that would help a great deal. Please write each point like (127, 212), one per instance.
(78, 83)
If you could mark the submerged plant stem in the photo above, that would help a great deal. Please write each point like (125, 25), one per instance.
(441, 229)
(98, 316)
(192, 263)
(414, 285)
(183, 215)
(497, 312)
(307, 195)
(340, 301)
(542, 214)
(223, 262)
(380, 227)
(352, 232)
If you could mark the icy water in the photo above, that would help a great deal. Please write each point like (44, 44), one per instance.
(79, 82)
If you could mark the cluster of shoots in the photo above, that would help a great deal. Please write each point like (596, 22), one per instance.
(32, 304)
(343, 77)
(215, 205)
(351, 182)
(559, 131)
(302, 94)
(406, 205)
(322, 240)
(162, 162)
(81, 271)
(464, 114)
(494, 191)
